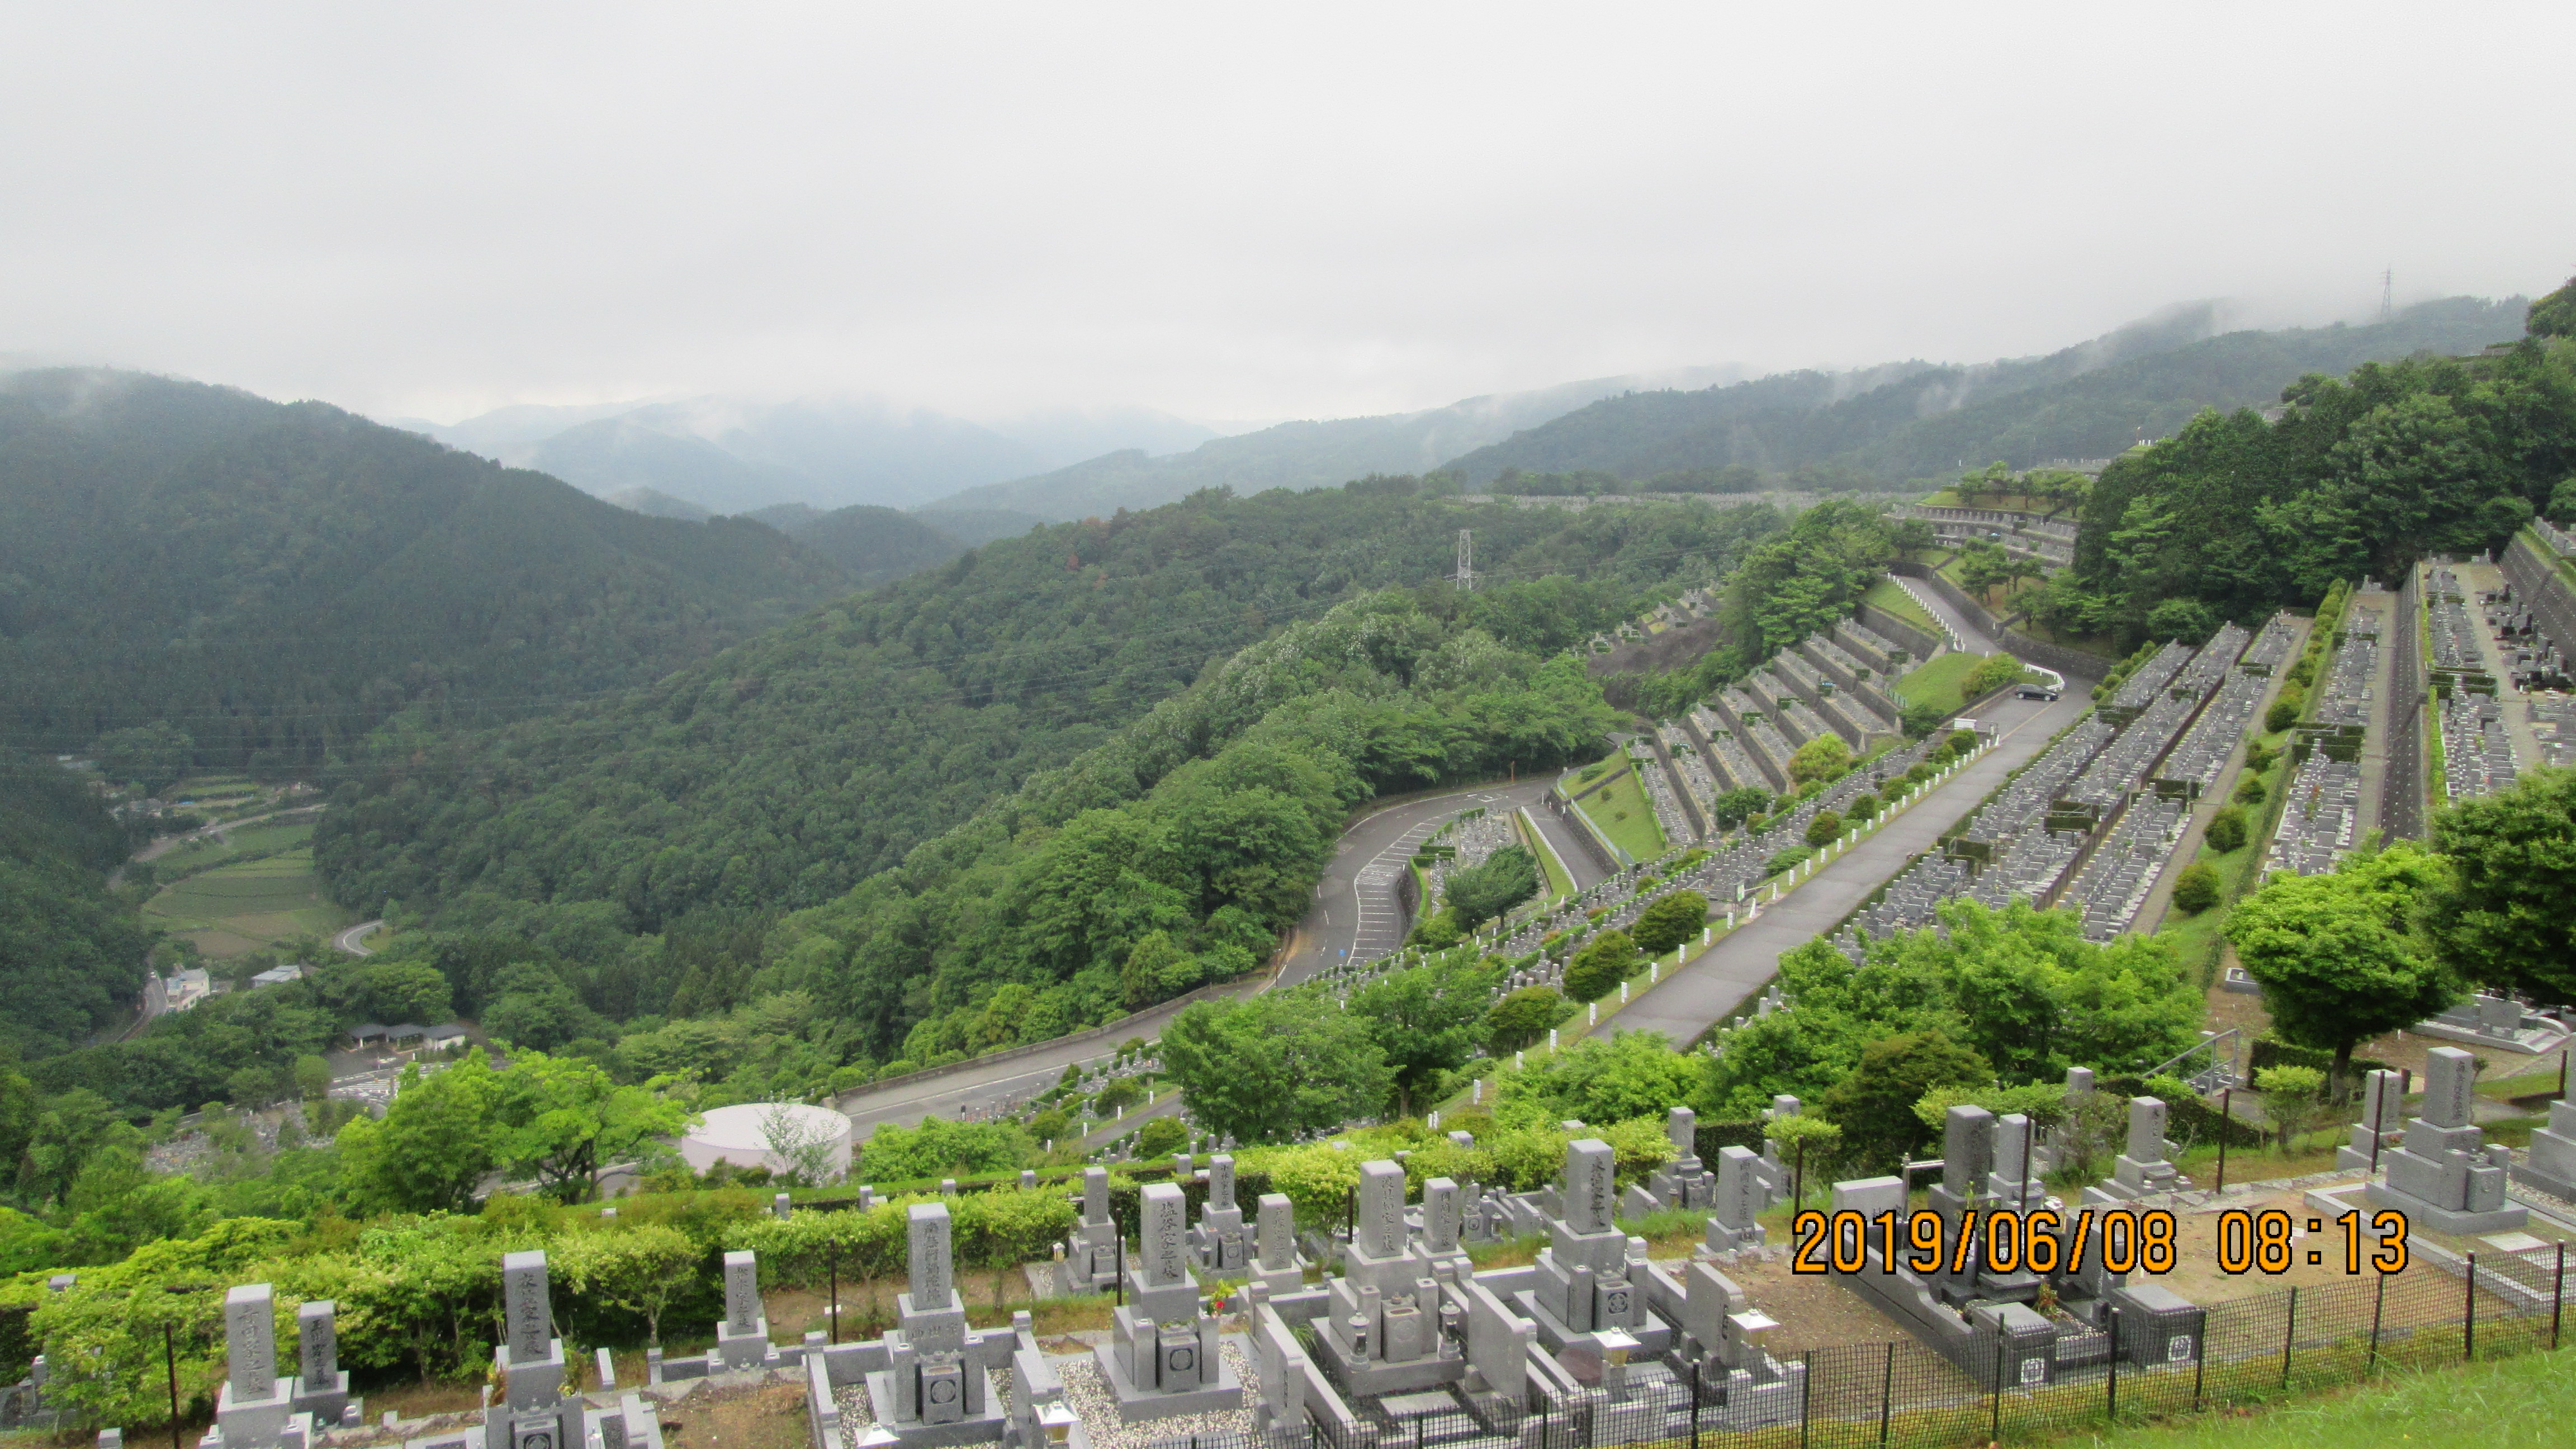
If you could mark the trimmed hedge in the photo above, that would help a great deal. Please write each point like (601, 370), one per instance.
(2272, 1052)
(2192, 1119)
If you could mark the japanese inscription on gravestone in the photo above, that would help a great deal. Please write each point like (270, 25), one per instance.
(928, 1243)
(1166, 1234)
(250, 1338)
(524, 1307)
(742, 1292)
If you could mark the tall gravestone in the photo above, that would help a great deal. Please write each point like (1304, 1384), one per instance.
(1742, 1195)
(533, 1414)
(1584, 1286)
(742, 1335)
(933, 1389)
(1381, 1326)
(1091, 1254)
(1681, 1185)
(255, 1408)
(1276, 1265)
(321, 1389)
(1218, 1239)
(2445, 1175)
(2142, 1168)
(1162, 1358)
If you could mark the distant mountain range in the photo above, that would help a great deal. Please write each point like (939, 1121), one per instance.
(1303, 454)
(729, 455)
(1868, 427)
(1913, 420)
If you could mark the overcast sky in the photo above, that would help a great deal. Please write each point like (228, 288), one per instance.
(1231, 211)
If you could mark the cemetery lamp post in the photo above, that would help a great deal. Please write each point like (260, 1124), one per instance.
(170, 1356)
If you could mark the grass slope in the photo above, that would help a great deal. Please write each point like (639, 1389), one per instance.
(1938, 683)
(2509, 1404)
(1624, 814)
(1891, 597)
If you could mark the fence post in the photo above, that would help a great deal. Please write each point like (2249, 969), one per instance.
(2558, 1295)
(2289, 1333)
(1886, 1393)
(2469, 1325)
(1806, 1391)
(2112, 1383)
(2378, 1302)
(2200, 1363)
(1694, 1402)
(1996, 1433)
(2226, 1115)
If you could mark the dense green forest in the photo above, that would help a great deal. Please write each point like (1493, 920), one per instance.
(273, 580)
(2234, 517)
(1915, 420)
(645, 840)
(874, 545)
(71, 952)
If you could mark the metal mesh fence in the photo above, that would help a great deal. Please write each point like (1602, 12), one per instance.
(1905, 1393)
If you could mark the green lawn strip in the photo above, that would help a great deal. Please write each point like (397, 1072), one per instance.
(1998, 502)
(1888, 595)
(1638, 834)
(2497, 1404)
(1937, 683)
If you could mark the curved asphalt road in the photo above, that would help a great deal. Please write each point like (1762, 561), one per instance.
(1355, 911)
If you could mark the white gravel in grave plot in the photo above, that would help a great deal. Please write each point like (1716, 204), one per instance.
(1088, 1396)
(852, 1399)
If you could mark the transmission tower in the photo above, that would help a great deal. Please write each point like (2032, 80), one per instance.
(2387, 293)
(1466, 575)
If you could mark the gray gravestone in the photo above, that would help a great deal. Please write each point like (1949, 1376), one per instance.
(1381, 1209)
(524, 1307)
(1591, 1169)
(2450, 1086)
(1095, 1194)
(1276, 1231)
(1220, 1181)
(742, 1292)
(1440, 1215)
(2147, 1128)
(317, 1342)
(1165, 1235)
(927, 1225)
(1967, 1150)
(250, 1341)
(1681, 1128)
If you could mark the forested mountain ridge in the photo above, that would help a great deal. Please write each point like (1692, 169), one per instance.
(1915, 420)
(274, 579)
(71, 953)
(2235, 516)
(782, 772)
(1303, 454)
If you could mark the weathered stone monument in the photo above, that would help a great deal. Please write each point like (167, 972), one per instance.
(1744, 1191)
(2143, 1168)
(2445, 1175)
(1681, 1185)
(1218, 1239)
(1584, 1287)
(2382, 1099)
(2552, 1165)
(255, 1407)
(1721, 1333)
(1276, 1265)
(742, 1335)
(1091, 1255)
(1382, 1324)
(321, 1389)
(533, 1414)
(1162, 1358)
(934, 1388)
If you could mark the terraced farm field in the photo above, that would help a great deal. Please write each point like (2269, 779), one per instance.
(233, 910)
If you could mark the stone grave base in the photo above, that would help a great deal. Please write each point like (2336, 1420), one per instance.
(1378, 1378)
(983, 1428)
(2422, 1214)
(1653, 1337)
(1136, 1405)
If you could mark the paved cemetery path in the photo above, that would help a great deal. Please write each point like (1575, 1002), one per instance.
(1717, 983)
(1355, 913)
(1354, 905)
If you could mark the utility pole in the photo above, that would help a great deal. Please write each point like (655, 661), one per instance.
(2387, 293)
(1466, 575)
